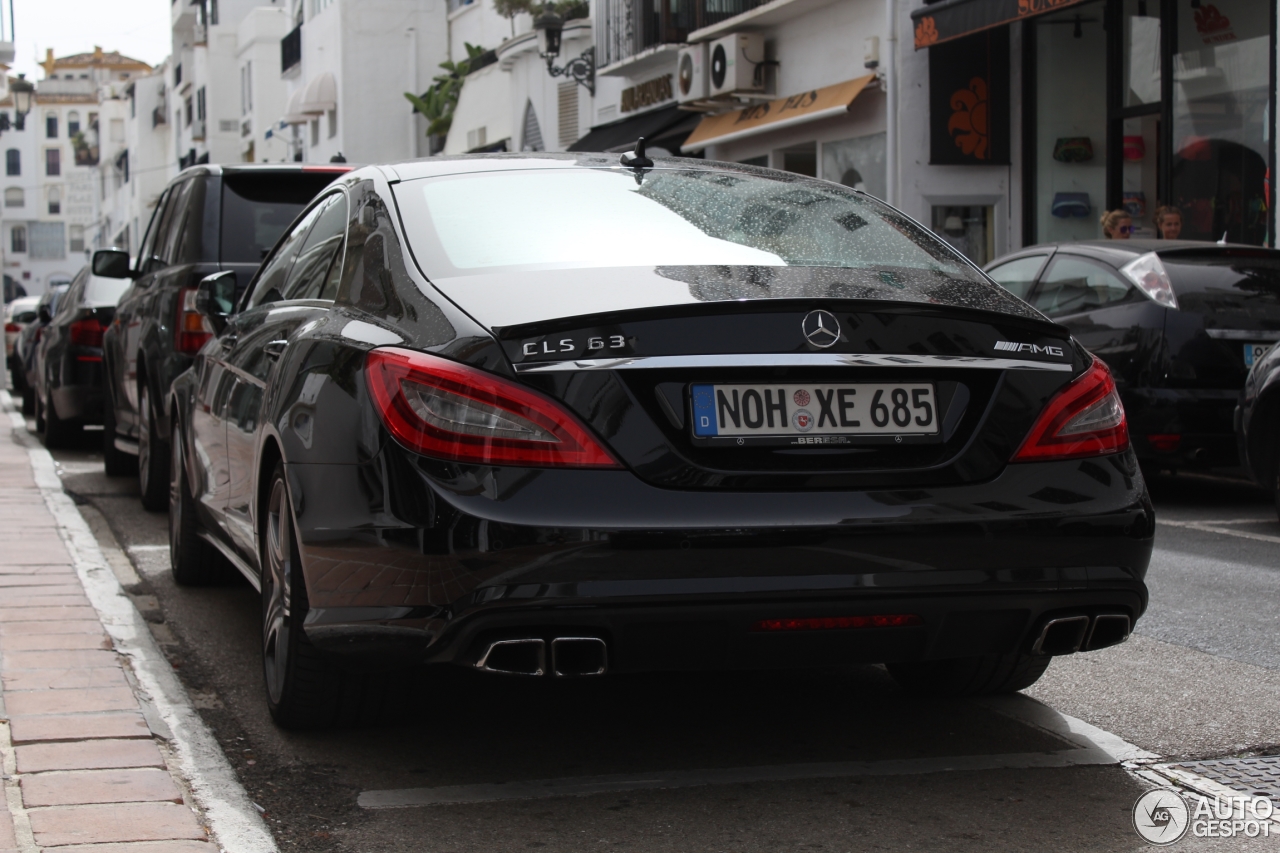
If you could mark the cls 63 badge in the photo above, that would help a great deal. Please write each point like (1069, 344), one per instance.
(595, 343)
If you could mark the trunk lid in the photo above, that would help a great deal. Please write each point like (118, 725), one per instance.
(979, 379)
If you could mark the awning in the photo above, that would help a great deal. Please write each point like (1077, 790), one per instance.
(807, 106)
(321, 95)
(293, 113)
(952, 19)
(664, 128)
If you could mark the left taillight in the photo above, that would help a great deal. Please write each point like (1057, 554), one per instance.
(1084, 419)
(12, 328)
(190, 329)
(446, 410)
(87, 333)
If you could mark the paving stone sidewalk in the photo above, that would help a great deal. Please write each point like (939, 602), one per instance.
(82, 769)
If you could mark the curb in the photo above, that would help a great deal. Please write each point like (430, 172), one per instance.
(230, 815)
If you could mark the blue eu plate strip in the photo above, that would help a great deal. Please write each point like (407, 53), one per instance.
(704, 410)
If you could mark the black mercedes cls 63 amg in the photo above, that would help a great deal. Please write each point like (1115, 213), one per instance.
(563, 415)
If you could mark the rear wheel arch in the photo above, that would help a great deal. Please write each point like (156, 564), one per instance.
(1262, 449)
(267, 459)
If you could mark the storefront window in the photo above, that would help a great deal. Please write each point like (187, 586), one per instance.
(856, 163)
(1142, 52)
(969, 229)
(1141, 173)
(1220, 140)
(1071, 124)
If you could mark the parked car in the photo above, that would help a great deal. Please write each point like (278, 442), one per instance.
(1257, 422)
(209, 219)
(1179, 323)
(701, 416)
(68, 358)
(17, 314)
(24, 348)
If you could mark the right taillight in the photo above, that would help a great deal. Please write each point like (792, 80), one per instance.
(190, 330)
(1149, 274)
(12, 328)
(87, 333)
(447, 410)
(1084, 419)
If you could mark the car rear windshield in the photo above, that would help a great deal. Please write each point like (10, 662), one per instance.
(542, 219)
(1234, 288)
(257, 207)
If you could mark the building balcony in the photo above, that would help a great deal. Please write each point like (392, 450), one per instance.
(631, 27)
(291, 51)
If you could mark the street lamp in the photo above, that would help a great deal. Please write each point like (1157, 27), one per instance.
(550, 28)
(22, 90)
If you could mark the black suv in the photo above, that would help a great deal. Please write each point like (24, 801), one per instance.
(209, 219)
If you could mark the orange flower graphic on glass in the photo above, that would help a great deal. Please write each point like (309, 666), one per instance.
(926, 33)
(968, 124)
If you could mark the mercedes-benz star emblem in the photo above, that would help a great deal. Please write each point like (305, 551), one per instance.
(820, 328)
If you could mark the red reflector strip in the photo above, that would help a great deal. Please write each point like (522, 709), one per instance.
(838, 623)
(88, 358)
(1165, 443)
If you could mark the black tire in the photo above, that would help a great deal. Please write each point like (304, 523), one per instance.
(305, 689)
(116, 462)
(28, 401)
(39, 413)
(54, 430)
(974, 676)
(194, 561)
(153, 456)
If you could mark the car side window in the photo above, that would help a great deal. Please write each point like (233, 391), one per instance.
(270, 285)
(75, 293)
(310, 273)
(174, 234)
(148, 246)
(1018, 275)
(1074, 284)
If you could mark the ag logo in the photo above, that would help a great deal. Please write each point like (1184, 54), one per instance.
(1161, 816)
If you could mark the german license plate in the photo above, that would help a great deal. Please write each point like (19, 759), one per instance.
(1253, 352)
(814, 413)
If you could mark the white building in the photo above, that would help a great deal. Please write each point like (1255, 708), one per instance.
(51, 217)
(347, 64)
(133, 175)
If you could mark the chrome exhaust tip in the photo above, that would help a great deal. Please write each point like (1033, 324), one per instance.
(575, 657)
(1109, 629)
(515, 657)
(1061, 636)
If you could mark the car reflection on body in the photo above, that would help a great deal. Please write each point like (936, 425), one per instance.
(557, 415)
(1178, 322)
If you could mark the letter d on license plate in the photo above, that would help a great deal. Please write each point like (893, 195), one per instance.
(885, 409)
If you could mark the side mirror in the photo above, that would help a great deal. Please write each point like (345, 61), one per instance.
(44, 315)
(112, 263)
(216, 298)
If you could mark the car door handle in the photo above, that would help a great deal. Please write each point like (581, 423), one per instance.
(274, 348)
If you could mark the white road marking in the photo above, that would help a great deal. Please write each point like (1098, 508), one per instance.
(1212, 527)
(142, 549)
(234, 823)
(1091, 746)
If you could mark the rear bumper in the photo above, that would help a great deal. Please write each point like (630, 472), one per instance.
(1202, 419)
(678, 579)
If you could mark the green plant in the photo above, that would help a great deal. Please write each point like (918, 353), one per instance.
(438, 103)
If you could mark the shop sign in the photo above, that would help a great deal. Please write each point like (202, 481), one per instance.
(647, 94)
(969, 101)
(955, 20)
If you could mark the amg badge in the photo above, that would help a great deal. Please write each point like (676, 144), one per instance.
(1011, 346)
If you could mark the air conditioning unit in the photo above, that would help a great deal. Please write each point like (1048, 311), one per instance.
(197, 129)
(732, 63)
(691, 73)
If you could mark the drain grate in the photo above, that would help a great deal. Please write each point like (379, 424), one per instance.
(1257, 777)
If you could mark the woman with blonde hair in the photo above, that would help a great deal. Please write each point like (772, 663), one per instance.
(1117, 224)
(1168, 222)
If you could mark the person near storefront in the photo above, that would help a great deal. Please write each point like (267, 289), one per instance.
(1117, 225)
(1168, 222)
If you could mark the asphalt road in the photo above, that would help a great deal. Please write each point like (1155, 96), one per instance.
(813, 761)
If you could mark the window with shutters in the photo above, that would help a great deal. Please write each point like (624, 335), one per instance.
(18, 239)
(14, 197)
(567, 97)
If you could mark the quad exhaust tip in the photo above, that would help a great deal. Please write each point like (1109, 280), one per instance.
(571, 657)
(1067, 635)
